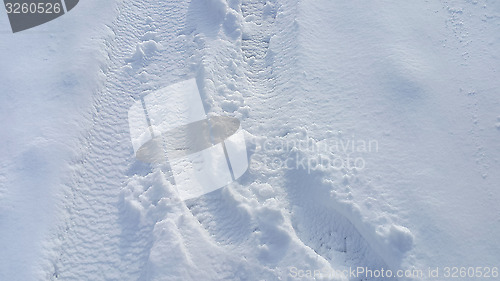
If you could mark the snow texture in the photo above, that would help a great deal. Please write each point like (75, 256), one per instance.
(371, 130)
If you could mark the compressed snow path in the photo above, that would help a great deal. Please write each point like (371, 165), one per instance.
(418, 78)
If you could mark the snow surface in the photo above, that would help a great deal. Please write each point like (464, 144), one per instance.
(407, 90)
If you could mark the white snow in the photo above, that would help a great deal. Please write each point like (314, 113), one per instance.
(372, 132)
